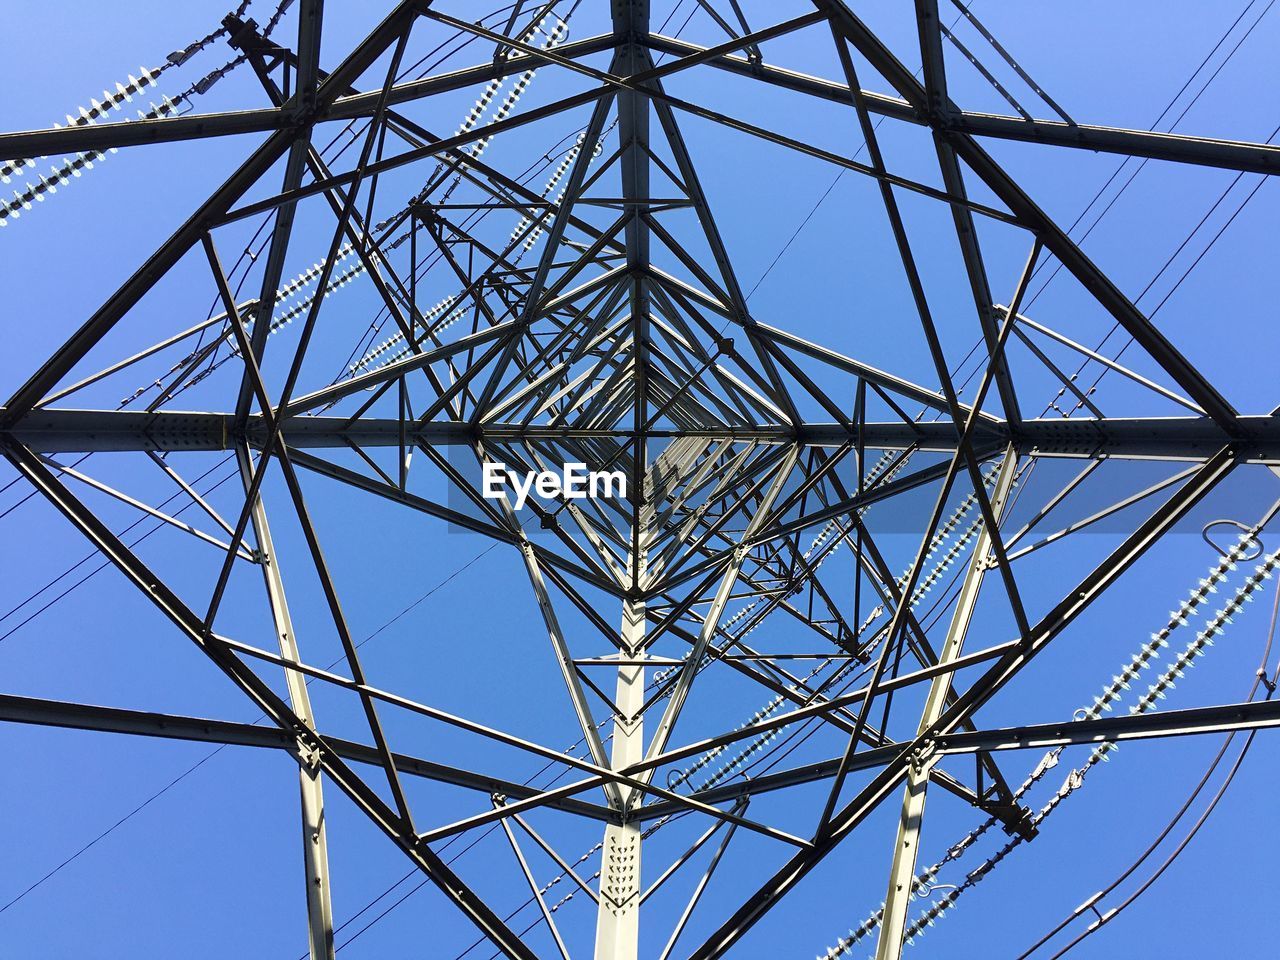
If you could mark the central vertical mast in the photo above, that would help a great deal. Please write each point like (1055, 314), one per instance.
(618, 924)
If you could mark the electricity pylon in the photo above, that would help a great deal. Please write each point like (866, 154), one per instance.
(610, 328)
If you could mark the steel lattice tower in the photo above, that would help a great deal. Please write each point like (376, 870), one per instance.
(612, 329)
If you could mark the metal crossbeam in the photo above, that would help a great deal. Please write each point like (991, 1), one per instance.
(1172, 438)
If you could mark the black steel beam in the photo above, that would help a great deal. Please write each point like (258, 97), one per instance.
(1171, 438)
(1226, 718)
(81, 716)
(1177, 148)
(58, 431)
(104, 136)
(1229, 718)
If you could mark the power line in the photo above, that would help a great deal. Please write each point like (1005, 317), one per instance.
(1092, 902)
(213, 753)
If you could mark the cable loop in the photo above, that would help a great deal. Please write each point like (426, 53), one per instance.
(1253, 538)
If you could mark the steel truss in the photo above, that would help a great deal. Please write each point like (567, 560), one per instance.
(627, 342)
